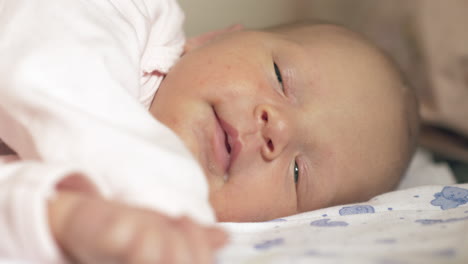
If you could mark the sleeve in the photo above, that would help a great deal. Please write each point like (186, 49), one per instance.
(166, 38)
(23, 211)
(164, 45)
(68, 79)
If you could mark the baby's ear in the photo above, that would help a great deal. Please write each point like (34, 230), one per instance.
(198, 41)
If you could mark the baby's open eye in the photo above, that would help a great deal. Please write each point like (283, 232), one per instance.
(296, 172)
(278, 75)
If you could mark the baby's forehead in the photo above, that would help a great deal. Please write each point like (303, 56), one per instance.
(325, 35)
(335, 42)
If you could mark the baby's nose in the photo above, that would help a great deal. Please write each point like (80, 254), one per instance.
(275, 130)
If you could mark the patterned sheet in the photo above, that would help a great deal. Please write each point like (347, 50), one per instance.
(427, 224)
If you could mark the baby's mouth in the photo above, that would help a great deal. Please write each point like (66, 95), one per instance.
(221, 148)
(233, 145)
(226, 144)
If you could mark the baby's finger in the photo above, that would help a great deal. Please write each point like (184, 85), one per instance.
(178, 248)
(198, 243)
(160, 241)
(217, 237)
(148, 246)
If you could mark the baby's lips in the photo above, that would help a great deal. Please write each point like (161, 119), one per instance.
(233, 140)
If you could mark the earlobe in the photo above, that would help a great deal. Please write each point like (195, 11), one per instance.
(198, 41)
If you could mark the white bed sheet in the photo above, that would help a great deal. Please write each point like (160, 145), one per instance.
(424, 224)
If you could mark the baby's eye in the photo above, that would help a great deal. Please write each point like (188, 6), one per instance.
(296, 172)
(278, 75)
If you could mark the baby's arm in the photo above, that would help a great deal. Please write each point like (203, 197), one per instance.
(90, 229)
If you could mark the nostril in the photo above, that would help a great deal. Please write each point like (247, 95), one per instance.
(270, 145)
(265, 116)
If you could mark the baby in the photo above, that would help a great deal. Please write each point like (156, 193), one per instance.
(290, 120)
(281, 121)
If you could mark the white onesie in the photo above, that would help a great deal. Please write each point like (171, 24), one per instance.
(75, 85)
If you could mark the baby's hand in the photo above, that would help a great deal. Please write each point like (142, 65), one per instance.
(95, 230)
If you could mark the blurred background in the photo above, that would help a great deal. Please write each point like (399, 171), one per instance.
(207, 15)
(427, 38)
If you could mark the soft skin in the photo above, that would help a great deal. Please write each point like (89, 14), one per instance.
(333, 114)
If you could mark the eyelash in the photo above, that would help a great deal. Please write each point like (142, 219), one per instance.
(279, 77)
(296, 172)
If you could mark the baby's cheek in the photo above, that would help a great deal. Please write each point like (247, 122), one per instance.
(252, 204)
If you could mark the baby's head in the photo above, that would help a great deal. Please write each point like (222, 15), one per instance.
(291, 119)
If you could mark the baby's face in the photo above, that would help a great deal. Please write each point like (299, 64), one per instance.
(283, 123)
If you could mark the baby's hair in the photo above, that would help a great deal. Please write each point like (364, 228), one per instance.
(410, 104)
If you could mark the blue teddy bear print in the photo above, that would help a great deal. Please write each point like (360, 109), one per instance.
(357, 209)
(450, 197)
(327, 223)
(267, 244)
